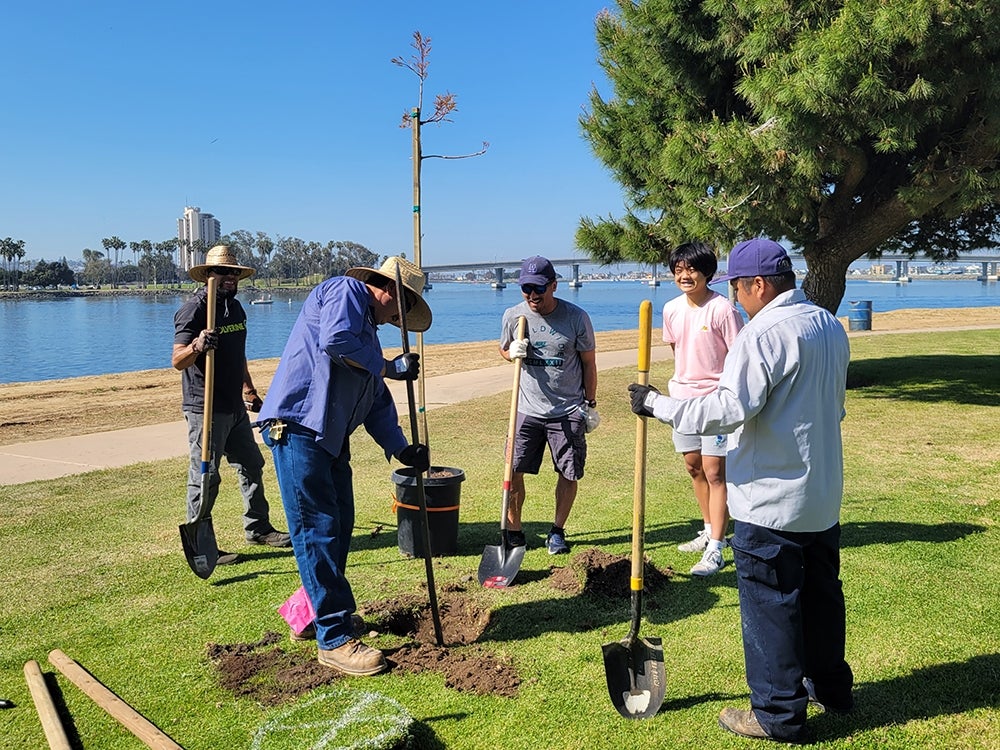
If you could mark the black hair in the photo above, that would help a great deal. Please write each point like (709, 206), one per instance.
(696, 255)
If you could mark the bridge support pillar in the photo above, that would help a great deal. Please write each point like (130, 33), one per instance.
(989, 271)
(576, 283)
(653, 281)
(498, 278)
(903, 270)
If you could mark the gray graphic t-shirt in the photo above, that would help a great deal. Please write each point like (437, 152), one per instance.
(552, 379)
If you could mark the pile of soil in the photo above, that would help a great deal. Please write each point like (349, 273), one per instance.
(598, 573)
(273, 674)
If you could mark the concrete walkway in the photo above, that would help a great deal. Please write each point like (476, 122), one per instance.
(49, 459)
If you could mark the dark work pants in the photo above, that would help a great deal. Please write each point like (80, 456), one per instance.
(794, 622)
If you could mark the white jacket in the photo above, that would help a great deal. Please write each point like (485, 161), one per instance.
(783, 383)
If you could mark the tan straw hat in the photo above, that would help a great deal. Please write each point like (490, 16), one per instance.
(219, 256)
(418, 317)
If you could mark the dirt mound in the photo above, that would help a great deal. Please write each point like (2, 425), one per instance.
(598, 573)
(273, 674)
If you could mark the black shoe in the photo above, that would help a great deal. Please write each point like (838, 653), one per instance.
(515, 538)
(227, 558)
(272, 538)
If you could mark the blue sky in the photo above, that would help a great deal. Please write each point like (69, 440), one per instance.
(284, 118)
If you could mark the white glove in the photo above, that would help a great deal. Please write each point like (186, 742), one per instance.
(518, 349)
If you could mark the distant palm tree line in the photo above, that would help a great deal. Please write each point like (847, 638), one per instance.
(160, 263)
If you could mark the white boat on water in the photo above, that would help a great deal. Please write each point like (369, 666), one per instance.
(262, 301)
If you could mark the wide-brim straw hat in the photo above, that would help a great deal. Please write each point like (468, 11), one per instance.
(220, 255)
(418, 318)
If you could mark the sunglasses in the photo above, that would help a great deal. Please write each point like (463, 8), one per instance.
(534, 288)
(218, 271)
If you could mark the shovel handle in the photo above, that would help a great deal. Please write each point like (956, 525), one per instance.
(508, 468)
(639, 486)
(206, 428)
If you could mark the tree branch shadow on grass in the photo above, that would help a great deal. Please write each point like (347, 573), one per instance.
(862, 533)
(932, 378)
(943, 689)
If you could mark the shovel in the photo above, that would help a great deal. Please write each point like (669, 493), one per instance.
(415, 438)
(198, 535)
(501, 563)
(634, 666)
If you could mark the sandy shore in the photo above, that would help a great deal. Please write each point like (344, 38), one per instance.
(80, 406)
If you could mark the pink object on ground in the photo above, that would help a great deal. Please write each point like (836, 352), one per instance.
(298, 611)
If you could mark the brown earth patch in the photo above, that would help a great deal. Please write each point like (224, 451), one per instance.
(598, 573)
(273, 674)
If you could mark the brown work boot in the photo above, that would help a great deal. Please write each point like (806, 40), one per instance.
(354, 658)
(743, 723)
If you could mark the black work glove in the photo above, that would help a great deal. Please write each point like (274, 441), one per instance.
(252, 401)
(207, 339)
(404, 367)
(415, 455)
(642, 403)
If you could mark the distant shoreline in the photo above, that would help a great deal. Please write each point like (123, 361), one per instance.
(48, 294)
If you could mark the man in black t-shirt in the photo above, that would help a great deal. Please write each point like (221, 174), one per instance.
(233, 394)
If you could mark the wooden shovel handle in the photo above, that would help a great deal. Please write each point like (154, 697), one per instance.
(508, 469)
(206, 428)
(639, 487)
(127, 716)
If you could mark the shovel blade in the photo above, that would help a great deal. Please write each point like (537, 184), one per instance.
(636, 678)
(499, 565)
(200, 546)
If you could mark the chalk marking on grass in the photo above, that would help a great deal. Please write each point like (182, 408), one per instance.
(385, 718)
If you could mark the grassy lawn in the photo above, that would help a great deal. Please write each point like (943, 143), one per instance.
(93, 566)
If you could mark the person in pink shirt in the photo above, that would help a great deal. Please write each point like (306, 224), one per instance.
(700, 326)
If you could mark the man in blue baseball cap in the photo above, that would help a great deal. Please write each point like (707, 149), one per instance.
(781, 397)
(557, 401)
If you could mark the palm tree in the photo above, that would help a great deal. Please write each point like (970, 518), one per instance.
(117, 244)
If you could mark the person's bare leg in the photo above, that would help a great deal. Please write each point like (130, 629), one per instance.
(693, 462)
(565, 495)
(718, 511)
(515, 501)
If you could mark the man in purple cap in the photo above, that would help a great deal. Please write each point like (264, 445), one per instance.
(557, 400)
(781, 397)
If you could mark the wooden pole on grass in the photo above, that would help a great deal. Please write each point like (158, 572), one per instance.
(127, 716)
(55, 732)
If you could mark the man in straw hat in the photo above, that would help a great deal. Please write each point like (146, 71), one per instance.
(330, 382)
(233, 394)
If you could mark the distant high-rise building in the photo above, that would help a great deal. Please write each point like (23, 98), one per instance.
(196, 234)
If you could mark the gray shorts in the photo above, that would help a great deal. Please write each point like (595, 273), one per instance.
(707, 445)
(565, 438)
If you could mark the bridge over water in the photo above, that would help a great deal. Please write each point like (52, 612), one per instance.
(508, 269)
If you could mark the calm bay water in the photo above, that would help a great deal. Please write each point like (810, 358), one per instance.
(70, 337)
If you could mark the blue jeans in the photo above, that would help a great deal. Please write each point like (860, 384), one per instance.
(232, 437)
(318, 494)
(794, 622)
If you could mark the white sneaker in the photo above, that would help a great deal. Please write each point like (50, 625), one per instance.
(711, 562)
(698, 544)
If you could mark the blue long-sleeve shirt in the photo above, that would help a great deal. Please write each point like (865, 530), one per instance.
(316, 387)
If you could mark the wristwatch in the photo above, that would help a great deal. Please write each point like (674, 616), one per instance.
(592, 403)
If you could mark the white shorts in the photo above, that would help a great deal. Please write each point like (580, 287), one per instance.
(707, 445)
